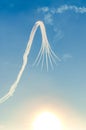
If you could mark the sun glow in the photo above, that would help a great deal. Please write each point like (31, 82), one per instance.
(47, 121)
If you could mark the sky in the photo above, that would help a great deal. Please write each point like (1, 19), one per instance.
(61, 90)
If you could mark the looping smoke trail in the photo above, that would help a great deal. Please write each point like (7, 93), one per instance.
(45, 49)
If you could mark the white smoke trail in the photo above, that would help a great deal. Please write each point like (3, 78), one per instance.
(62, 9)
(49, 13)
(45, 50)
(71, 7)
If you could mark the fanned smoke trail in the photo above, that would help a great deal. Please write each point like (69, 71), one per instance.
(44, 51)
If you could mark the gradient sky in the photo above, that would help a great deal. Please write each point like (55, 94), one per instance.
(62, 90)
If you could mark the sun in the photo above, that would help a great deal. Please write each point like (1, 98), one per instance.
(47, 121)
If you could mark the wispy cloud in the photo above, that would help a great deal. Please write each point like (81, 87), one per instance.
(50, 12)
(43, 9)
(48, 18)
(59, 35)
(62, 9)
(74, 8)
(66, 57)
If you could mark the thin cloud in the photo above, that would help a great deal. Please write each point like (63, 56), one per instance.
(66, 57)
(43, 9)
(63, 8)
(58, 36)
(50, 12)
(48, 18)
(74, 8)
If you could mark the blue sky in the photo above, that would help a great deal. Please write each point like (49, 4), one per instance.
(62, 89)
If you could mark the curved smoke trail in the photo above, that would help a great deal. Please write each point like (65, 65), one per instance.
(44, 50)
